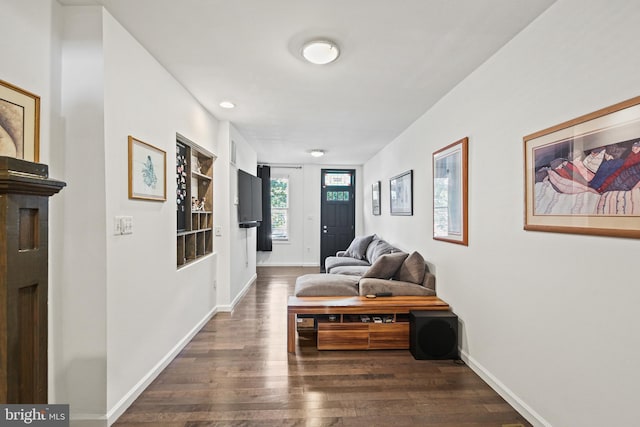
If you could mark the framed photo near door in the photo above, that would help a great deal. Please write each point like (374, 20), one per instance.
(401, 194)
(375, 198)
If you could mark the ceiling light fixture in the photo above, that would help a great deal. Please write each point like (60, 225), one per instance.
(317, 153)
(227, 104)
(320, 52)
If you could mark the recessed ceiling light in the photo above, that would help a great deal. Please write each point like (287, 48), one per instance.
(317, 153)
(227, 104)
(320, 52)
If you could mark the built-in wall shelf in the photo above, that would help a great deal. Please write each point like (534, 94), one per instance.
(194, 201)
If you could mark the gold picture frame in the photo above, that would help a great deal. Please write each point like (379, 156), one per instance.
(147, 171)
(451, 193)
(583, 176)
(19, 123)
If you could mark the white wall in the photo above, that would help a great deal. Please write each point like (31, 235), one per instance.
(83, 282)
(151, 306)
(549, 319)
(303, 247)
(242, 252)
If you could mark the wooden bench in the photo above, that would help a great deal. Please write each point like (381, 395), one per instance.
(345, 333)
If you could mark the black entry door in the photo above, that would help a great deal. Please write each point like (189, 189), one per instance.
(337, 211)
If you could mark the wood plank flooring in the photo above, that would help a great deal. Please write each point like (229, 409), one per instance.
(236, 372)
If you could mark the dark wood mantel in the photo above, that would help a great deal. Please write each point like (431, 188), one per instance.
(25, 188)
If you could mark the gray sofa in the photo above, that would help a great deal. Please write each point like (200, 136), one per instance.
(370, 266)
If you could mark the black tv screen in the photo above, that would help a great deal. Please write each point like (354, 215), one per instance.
(249, 199)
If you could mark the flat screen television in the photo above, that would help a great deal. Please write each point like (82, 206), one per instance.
(249, 200)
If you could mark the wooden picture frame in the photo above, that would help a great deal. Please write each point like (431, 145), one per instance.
(147, 171)
(401, 194)
(450, 193)
(19, 123)
(583, 176)
(375, 198)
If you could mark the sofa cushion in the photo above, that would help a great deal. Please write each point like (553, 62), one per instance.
(386, 265)
(322, 285)
(381, 247)
(331, 262)
(371, 286)
(350, 270)
(412, 269)
(358, 247)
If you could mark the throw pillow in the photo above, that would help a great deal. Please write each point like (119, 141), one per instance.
(358, 247)
(412, 269)
(381, 248)
(386, 266)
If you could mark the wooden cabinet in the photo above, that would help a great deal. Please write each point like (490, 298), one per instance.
(194, 201)
(349, 332)
(24, 203)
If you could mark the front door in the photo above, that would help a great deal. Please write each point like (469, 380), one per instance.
(337, 211)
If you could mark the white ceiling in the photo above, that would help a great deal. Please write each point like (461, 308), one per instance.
(398, 58)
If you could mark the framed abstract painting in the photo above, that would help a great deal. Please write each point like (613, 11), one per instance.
(583, 176)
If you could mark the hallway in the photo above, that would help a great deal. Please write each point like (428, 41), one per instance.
(236, 372)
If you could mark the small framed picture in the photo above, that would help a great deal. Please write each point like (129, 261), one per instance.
(147, 171)
(401, 194)
(19, 123)
(375, 198)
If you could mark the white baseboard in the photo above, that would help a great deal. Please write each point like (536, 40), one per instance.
(288, 264)
(88, 420)
(126, 401)
(236, 300)
(525, 410)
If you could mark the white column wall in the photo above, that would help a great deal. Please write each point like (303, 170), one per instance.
(83, 286)
(548, 319)
(242, 254)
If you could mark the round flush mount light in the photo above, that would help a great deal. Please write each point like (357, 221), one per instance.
(227, 104)
(317, 153)
(320, 52)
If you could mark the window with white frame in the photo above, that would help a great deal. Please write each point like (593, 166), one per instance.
(280, 208)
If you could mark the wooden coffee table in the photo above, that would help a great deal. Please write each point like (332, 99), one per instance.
(344, 331)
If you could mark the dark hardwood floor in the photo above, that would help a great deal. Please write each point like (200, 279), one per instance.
(236, 372)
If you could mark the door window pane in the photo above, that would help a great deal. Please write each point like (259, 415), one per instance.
(337, 179)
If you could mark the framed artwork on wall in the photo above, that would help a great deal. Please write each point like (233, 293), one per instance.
(147, 171)
(375, 198)
(401, 194)
(583, 176)
(450, 193)
(19, 123)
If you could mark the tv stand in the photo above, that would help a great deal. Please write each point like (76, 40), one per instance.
(340, 325)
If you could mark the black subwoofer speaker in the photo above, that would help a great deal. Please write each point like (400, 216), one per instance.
(433, 335)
